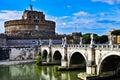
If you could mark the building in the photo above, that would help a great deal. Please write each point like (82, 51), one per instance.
(2, 40)
(115, 36)
(32, 24)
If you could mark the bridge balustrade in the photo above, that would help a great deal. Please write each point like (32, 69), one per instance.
(78, 45)
(57, 45)
(70, 45)
(116, 46)
(102, 46)
(107, 46)
(97, 46)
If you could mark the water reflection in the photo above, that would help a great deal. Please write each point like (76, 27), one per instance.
(34, 72)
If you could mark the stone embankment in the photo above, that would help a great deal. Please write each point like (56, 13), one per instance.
(8, 62)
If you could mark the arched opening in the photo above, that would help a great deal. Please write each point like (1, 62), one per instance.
(57, 57)
(78, 61)
(39, 54)
(4, 54)
(44, 56)
(109, 65)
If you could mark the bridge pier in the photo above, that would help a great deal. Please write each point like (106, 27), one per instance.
(91, 70)
(64, 62)
(49, 56)
(91, 67)
(91, 64)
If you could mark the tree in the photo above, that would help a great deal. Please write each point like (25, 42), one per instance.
(87, 39)
(103, 39)
(115, 32)
(38, 60)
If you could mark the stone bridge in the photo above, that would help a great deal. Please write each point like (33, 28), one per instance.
(96, 58)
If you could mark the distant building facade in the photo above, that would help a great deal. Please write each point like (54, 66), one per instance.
(2, 40)
(115, 37)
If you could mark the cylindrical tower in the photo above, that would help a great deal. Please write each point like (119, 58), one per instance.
(32, 23)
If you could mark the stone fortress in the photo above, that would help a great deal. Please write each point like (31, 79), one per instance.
(32, 24)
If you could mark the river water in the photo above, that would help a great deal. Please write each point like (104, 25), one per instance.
(34, 72)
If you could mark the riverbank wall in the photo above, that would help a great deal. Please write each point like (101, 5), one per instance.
(8, 62)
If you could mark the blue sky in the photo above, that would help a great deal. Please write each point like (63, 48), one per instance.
(86, 16)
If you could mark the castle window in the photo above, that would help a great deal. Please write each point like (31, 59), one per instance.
(33, 16)
(36, 27)
(36, 21)
(29, 17)
(42, 18)
(36, 17)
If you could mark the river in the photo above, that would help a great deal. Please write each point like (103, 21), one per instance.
(33, 72)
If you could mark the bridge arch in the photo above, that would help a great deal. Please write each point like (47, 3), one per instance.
(44, 55)
(109, 62)
(57, 57)
(77, 59)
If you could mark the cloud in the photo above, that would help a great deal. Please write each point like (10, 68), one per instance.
(68, 6)
(86, 22)
(108, 22)
(8, 15)
(111, 2)
(81, 13)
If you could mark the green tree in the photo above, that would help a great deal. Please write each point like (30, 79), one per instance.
(87, 39)
(96, 38)
(103, 39)
(115, 32)
(38, 60)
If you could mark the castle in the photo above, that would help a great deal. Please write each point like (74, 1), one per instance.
(32, 24)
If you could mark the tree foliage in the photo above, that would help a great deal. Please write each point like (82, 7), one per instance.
(115, 32)
(38, 60)
(103, 39)
(87, 39)
(97, 39)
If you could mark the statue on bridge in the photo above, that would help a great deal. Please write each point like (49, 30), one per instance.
(110, 39)
(50, 42)
(64, 41)
(92, 44)
(81, 41)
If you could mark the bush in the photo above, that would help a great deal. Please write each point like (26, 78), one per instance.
(38, 58)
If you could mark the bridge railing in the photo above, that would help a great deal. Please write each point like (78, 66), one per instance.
(107, 46)
(72, 45)
(57, 45)
(78, 45)
(102, 46)
(97, 46)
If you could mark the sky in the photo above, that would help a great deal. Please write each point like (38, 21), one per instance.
(86, 16)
